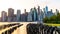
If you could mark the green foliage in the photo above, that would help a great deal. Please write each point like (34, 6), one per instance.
(52, 19)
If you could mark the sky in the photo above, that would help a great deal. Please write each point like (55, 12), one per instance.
(28, 4)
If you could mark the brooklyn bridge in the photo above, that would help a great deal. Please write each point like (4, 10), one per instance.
(27, 28)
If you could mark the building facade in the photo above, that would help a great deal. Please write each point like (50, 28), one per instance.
(46, 9)
(3, 16)
(34, 14)
(10, 14)
(18, 15)
(29, 18)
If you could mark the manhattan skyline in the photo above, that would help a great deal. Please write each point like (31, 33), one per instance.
(28, 4)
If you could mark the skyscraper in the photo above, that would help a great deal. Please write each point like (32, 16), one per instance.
(26, 14)
(44, 13)
(14, 18)
(10, 14)
(29, 18)
(46, 9)
(4, 16)
(41, 16)
(57, 11)
(38, 9)
(25, 10)
(34, 14)
(49, 14)
(18, 15)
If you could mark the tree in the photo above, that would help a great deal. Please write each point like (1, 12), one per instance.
(45, 20)
(52, 19)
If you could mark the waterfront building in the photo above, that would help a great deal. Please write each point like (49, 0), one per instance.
(10, 14)
(38, 9)
(3, 16)
(34, 14)
(57, 11)
(44, 13)
(46, 9)
(41, 16)
(24, 16)
(0, 19)
(29, 18)
(49, 14)
(18, 15)
(14, 19)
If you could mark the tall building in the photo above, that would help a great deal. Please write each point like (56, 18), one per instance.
(26, 14)
(41, 16)
(18, 15)
(10, 14)
(44, 12)
(34, 14)
(57, 11)
(4, 16)
(49, 13)
(22, 17)
(38, 9)
(25, 10)
(15, 18)
(0, 19)
(29, 18)
(46, 9)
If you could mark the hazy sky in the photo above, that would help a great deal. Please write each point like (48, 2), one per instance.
(27, 4)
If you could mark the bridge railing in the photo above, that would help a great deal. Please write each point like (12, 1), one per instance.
(42, 29)
(9, 28)
(31, 28)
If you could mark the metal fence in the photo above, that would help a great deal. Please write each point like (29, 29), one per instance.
(31, 28)
(9, 28)
(42, 29)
